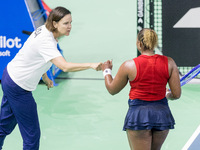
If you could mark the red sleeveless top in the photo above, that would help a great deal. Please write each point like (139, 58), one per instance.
(151, 79)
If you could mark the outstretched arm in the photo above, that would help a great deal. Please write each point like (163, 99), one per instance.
(115, 85)
(65, 66)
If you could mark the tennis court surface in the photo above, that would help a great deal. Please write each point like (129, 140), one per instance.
(80, 114)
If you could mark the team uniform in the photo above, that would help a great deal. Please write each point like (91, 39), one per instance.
(148, 106)
(22, 76)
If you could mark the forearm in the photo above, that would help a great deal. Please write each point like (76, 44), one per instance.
(115, 85)
(108, 81)
(65, 66)
(73, 67)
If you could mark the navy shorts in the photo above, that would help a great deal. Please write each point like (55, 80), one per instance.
(149, 115)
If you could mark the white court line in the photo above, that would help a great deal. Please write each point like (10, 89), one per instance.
(192, 138)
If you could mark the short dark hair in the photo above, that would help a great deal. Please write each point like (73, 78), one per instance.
(56, 15)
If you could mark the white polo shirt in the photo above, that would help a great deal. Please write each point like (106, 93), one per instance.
(33, 59)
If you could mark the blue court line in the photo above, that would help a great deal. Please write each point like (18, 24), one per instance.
(194, 142)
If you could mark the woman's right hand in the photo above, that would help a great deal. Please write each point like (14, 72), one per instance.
(96, 66)
(106, 65)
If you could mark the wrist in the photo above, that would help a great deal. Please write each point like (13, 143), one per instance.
(167, 93)
(107, 71)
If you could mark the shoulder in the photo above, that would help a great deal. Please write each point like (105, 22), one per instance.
(129, 63)
(48, 39)
(171, 61)
(171, 65)
(129, 69)
(128, 66)
(43, 34)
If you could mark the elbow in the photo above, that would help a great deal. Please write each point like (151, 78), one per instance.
(112, 92)
(68, 69)
(111, 89)
(65, 70)
(176, 96)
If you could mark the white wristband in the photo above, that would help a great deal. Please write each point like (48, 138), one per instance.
(167, 93)
(107, 71)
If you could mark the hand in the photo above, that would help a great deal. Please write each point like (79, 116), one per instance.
(49, 84)
(96, 66)
(106, 65)
(167, 93)
(47, 81)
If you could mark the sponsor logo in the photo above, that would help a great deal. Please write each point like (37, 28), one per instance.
(5, 53)
(10, 43)
(190, 19)
(38, 31)
(140, 15)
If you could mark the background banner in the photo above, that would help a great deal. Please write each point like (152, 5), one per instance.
(181, 31)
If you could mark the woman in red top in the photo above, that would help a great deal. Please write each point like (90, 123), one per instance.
(149, 118)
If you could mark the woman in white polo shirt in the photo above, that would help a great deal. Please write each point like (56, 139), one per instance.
(23, 73)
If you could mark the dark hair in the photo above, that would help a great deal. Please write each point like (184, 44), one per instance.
(56, 15)
(148, 38)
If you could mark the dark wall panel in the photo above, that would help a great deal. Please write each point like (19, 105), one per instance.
(181, 42)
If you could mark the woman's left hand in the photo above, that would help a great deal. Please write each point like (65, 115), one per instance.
(47, 81)
(49, 84)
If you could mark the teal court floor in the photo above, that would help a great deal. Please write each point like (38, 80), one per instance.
(80, 114)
